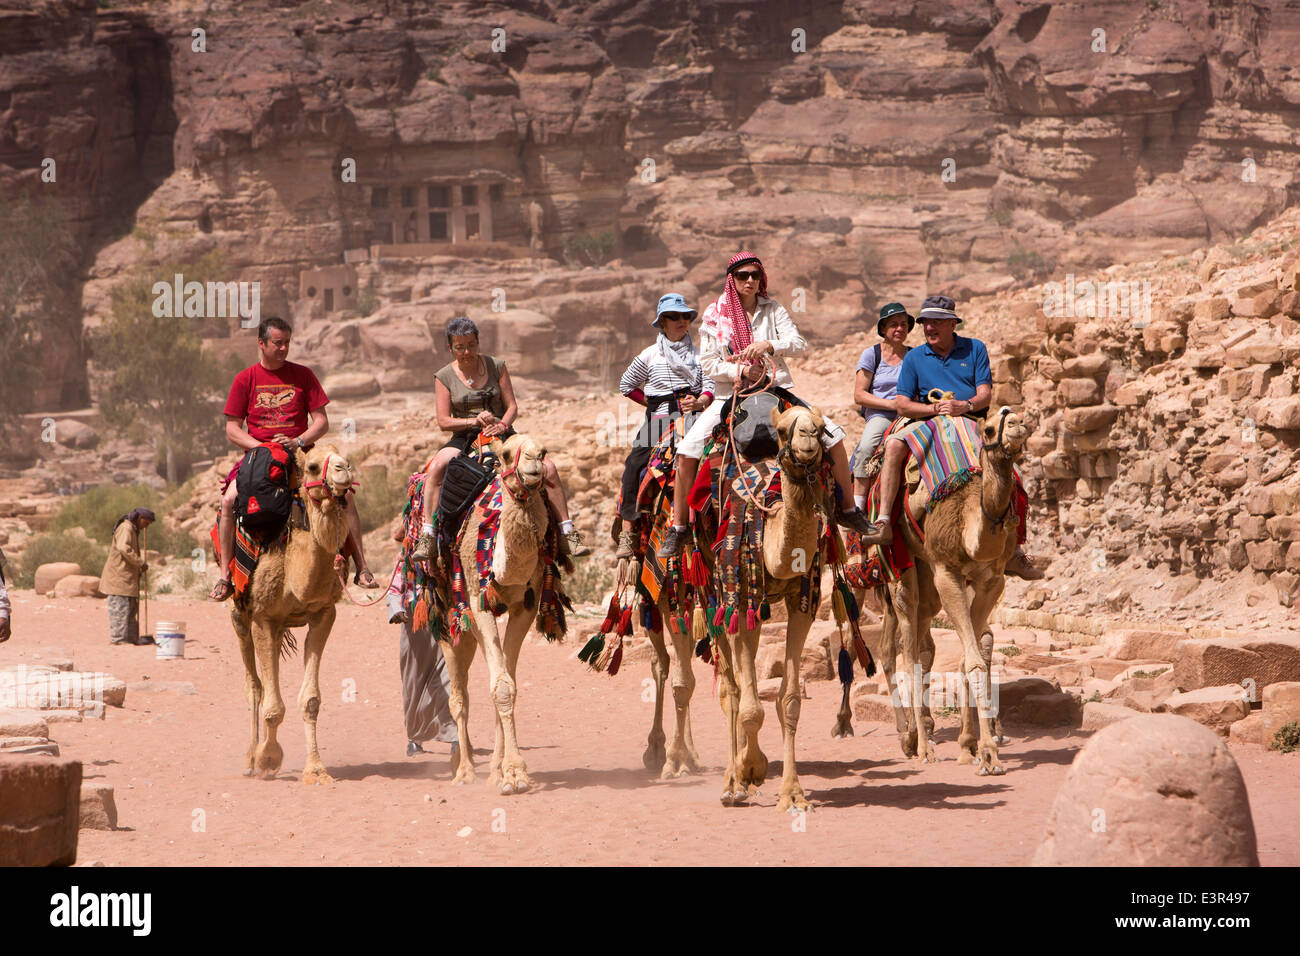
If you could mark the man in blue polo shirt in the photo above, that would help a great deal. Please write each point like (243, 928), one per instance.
(950, 363)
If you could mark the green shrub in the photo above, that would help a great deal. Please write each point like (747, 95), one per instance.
(589, 250)
(62, 546)
(1010, 651)
(97, 509)
(378, 503)
(1287, 738)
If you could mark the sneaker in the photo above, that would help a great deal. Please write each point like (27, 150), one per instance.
(855, 520)
(575, 547)
(424, 548)
(627, 542)
(674, 543)
(1021, 567)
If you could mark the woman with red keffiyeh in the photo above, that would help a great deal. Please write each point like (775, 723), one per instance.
(737, 332)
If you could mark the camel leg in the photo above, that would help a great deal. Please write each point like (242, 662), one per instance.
(749, 715)
(309, 699)
(508, 770)
(514, 773)
(266, 641)
(729, 699)
(252, 685)
(981, 609)
(459, 659)
(887, 658)
(952, 592)
(682, 758)
(788, 702)
(927, 607)
(655, 754)
(907, 607)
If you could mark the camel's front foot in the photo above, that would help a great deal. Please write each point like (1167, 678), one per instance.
(753, 769)
(990, 765)
(843, 726)
(680, 762)
(907, 740)
(267, 760)
(733, 792)
(316, 775)
(793, 799)
(464, 773)
(655, 754)
(925, 751)
(511, 778)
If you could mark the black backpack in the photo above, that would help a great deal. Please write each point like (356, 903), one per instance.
(264, 500)
(756, 437)
(462, 483)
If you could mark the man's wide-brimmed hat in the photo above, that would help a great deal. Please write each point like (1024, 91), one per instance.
(673, 302)
(939, 307)
(888, 311)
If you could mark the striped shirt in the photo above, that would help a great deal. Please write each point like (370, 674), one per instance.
(650, 373)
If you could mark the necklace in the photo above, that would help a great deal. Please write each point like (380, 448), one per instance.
(471, 380)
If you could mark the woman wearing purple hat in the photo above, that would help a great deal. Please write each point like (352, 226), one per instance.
(667, 379)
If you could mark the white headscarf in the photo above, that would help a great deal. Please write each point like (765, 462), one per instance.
(677, 354)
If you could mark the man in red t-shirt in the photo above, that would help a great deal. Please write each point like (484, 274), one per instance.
(281, 402)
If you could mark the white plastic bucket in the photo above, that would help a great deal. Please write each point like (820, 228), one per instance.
(170, 638)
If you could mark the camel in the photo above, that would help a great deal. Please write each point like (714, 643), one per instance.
(294, 583)
(791, 537)
(969, 537)
(516, 583)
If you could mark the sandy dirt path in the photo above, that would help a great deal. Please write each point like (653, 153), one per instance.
(174, 754)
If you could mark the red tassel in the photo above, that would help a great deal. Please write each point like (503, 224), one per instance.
(719, 617)
(751, 620)
(611, 616)
(625, 622)
(616, 659)
(733, 625)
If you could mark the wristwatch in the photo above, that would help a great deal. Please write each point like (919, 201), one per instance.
(300, 444)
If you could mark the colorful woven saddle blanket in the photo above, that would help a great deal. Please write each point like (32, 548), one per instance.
(947, 448)
(250, 544)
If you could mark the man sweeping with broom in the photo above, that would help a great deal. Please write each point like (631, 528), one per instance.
(120, 580)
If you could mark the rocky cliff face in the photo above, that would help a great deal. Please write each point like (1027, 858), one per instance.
(869, 151)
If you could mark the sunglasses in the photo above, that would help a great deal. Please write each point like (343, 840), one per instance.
(746, 276)
(676, 317)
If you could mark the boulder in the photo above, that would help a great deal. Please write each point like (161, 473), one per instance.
(1130, 644)
(1036, 702)
(1211, 662)
(1281, 707)
(350, 385)
(1151, 790)
(39, 808)
(77, 585)
(1078, 391)
(48, 575)
(1215, 707)
(1248, 730)
(1097, 715)
(98, 808)
(71, 433)
(770, 661)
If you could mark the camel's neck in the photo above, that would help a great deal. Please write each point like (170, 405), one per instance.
(796, 527)
(514, 556)
(997, 481)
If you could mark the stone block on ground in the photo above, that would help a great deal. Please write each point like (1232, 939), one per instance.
(98, 808)
(1167, 793)
(770, 661)
(1130, 644)
(23, 723)
(40, 801)
(1281, 707)
(1037, 702)
(869, 706)
(1217, 708)
(1212, 662)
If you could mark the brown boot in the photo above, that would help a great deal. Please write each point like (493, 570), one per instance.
(424, 548)
(1021, 567)
(573, 544)
(627, 542)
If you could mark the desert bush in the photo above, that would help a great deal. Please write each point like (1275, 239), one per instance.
(96, 510)
(87, 554)
(1287, 738)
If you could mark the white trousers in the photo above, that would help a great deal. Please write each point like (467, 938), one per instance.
(692, 446)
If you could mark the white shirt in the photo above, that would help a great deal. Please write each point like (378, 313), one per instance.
(771, 322)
